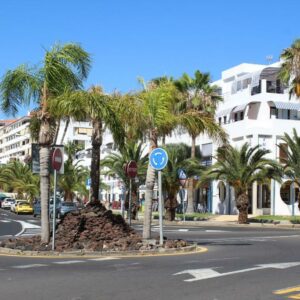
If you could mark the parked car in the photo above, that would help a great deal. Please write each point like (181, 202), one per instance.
(23, 207)
(14, 204)
(7, 202)
(37, 207)
(66, 207)
(2, 198)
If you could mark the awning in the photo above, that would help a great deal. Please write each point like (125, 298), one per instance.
(286, 105)
(224, 112)
(240, 107)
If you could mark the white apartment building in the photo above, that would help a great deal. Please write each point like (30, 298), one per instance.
(256, 109)
(15, 140)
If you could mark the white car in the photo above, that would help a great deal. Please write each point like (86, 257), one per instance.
(13, 205)
(7, 203)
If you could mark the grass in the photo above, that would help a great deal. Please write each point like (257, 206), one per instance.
(270, 218)
(188, 217)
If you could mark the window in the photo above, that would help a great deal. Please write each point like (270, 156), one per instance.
(220, 120)
(235, 117)
(242, 115)
(273, 112)
(225, 119)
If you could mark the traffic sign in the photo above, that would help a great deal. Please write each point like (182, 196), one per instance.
(181, 174)
(158, 159)
(57, 159)
(182, 177)
(131, 169)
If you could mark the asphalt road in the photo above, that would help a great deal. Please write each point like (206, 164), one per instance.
(241, 263)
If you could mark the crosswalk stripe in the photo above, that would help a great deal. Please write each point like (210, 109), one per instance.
(68, 262)
(297, 296)
(29, 266)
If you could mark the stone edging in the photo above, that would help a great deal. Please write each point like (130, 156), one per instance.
(86, 254)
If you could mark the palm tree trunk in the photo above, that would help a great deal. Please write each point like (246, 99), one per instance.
(95, 161)
(65, 130)
(150, 181)
(242, 206)
(170, 205)
(190, 182)
(45, 191)
(190, 196)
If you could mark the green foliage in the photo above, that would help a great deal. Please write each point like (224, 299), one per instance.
(73, 180)
(290, 68)
(115, 162)
(19, 178)
(292, 152)
(179, 158)
(241, 167)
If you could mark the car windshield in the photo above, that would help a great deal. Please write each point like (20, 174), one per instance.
(23, 204)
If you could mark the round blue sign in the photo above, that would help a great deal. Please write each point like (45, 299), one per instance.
(158, 159)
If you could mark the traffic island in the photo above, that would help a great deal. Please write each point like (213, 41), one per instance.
(93, 230)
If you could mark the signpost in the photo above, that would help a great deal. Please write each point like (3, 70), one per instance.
(158, 160)
(57, 163)
(131, 172)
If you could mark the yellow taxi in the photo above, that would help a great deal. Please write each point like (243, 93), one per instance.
(23, 207)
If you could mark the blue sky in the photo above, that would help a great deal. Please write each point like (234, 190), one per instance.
(148, 38)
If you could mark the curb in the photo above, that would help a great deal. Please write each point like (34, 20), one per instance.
(193, 249)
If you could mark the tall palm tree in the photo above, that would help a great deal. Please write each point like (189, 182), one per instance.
(240, 168)
(197, 107)
(157, 102)
(291, 161)
(115, 162)
(290, 68)
(179, 158)
(64, 67)
(96, 106)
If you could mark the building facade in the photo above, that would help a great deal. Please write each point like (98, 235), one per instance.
(257, 109)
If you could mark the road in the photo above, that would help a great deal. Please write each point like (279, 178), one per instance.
(241, 263)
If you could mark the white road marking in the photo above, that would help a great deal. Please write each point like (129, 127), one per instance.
(184, 230)
(103, 258)
(201, 274)
(25, 227)
(68, 262)
(5, 221)
(212, 230)
(29, 266)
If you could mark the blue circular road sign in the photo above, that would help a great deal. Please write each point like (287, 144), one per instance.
(158, 159)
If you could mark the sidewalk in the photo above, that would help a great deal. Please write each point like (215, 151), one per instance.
(224, 221)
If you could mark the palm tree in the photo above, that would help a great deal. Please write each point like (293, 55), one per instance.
(196, 114)
(240, 168)
(291, 159)
(290, 68)
(96, 106)
(156, 103)
(179, 158)
(64, 67)
(21, 180)
(114, 163)
(73, 180)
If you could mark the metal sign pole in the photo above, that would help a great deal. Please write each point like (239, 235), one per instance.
(129, 208)
(161, 238)
(54, 212)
